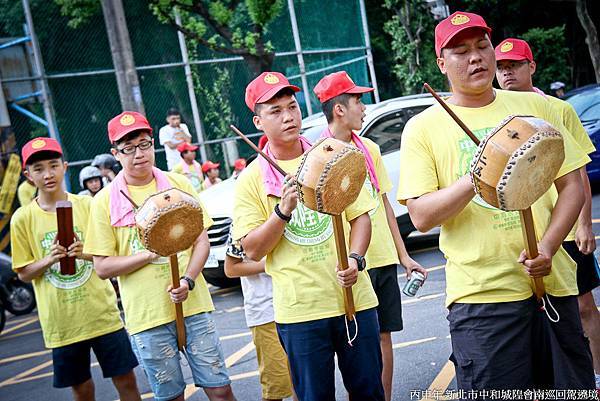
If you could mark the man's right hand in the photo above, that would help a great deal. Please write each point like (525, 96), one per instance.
(289, 196)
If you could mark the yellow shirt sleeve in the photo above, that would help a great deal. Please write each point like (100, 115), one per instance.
(21, 252)
(363, 204)
(102, 239)
(573, 124)
(418, 173)
(249, 211)
(177, 169)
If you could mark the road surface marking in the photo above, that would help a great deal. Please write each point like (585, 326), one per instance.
(413, 342)
(442, 380)
(18, 326)
(26, 373)
(24, 356)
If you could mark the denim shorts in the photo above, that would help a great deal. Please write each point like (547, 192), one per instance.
(156, 349)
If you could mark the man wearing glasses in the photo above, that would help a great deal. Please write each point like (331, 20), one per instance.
(144, 277)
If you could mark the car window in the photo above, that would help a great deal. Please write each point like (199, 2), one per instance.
(387, 130)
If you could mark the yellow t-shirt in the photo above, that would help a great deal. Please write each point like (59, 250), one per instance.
(382, 250)
(143, 292)
(571, 121)
(303, 263)
(26, 192)
(482, 243)
(71, 308)
(191, 175)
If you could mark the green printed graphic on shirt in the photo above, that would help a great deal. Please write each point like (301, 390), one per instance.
(308, 227)
(83, 268)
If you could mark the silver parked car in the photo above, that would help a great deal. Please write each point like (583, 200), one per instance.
(383, 124)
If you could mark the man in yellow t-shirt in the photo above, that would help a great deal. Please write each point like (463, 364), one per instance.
(301, 258)
(77, 312)
(492, 312)
(144, 277)
(515, 69)
(341, 104)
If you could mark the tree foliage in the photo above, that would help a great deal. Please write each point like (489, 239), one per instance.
(232, 27)
(550, 54)
(411, 29)
(78, 11)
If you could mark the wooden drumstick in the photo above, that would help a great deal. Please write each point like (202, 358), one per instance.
(179, 322)
(338, 229)
(65, 234)
(526, 216)
(174, 265)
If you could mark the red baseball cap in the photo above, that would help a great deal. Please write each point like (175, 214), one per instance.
(239, 164)
(513, 49)
(208, 165)
(335, 84)
(455, 23)
(37, 145)
(183, 147)
(126, 122)
(265, 86)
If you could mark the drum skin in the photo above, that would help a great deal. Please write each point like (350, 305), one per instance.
(517, 162)
(169, 222)
(331, 176)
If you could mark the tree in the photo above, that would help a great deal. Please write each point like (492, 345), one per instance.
(411, 28)
(232, 27)
(591, 35)
(550, 54)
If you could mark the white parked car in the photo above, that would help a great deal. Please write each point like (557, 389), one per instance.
(383, 124)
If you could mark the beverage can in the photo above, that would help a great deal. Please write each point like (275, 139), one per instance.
(413, 284)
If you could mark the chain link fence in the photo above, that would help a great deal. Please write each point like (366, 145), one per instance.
(80, 73)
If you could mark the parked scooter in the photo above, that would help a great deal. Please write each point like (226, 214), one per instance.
(16, 296)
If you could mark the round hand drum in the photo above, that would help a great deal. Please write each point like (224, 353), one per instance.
(169, 222)
(517, 162)
(330, 176)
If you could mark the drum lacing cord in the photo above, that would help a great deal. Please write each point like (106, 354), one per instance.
(350, 340)
(544, 299)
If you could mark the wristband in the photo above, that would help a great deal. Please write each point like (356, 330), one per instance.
(280, 214)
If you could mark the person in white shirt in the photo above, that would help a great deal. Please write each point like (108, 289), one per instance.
(172, 135)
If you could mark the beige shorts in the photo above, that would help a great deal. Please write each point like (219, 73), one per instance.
(273, 365)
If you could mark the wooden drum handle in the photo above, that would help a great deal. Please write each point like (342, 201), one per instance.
(342, 254)
(531, 247)
(179, 323)
(65, 234)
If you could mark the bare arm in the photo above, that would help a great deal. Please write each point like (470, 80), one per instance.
(113, 266)
(584, 235)
(565, 212)
(243, 267)
(433, 209)
(360, 237)
(200, 251)
(36, 269)
(405, 260)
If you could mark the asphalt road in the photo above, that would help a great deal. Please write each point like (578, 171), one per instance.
(421, 350)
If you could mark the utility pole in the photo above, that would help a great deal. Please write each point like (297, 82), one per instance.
(120, 47)
(370, 62)
(300, 56)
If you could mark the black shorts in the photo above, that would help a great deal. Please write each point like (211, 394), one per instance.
(513, 346)
(587, 268)
(385, 284)
(72, 362)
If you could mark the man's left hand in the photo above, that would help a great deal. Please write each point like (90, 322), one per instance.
(585, 240)
(347, 278)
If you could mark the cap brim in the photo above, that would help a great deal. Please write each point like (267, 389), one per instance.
(268, 95)
(193, 148)
(453, 34)
(130, 129)
(360, 89)
(508, 56)
(51, 150)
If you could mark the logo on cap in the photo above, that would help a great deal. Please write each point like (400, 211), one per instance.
(126, 120)
(459, 19)
(271, 79)
(40, 143)
(506, 47)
